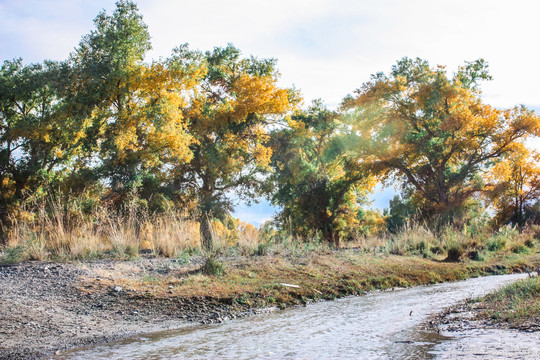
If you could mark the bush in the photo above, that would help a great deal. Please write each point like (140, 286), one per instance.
(454, 253)
(261, 249)
(496, 244)
(436, 249)
(520, 249)
(475, 255)
(213, 267)
(529, 243)
(13, 255)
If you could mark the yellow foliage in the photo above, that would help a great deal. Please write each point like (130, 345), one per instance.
(515, 181)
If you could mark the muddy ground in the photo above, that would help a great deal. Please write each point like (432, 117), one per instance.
(45, 307)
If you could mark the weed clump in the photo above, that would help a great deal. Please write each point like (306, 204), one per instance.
(520, 249)
(261, 249)
(529, 243)
(213, 267)
(496, 244)
(454, 253)
(475, 255)
(13, 255)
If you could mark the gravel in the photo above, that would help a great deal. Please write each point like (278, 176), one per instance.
(45, 307)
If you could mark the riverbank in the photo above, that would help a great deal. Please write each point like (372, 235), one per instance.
(47, 307)
(515, 307)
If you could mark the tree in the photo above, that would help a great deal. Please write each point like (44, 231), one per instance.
(32, 150)
(131, 112)
(433, 132)
(399, 213)
(516, 186)
(229, 113)
(316, 182)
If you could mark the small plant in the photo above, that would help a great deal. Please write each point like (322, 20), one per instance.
(475, 255)
(261, 249)
(454, 253)
(520, 249)
(213, 267)
(518, 302)
(13, 255)
(496, 244)
(131, 251)
(185, 257)
(436, 249)
(529, 243)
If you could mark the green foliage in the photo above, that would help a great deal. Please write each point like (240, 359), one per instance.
(318, 184)
(213, 267)
(454, 252)
(184, 257)
(106, 129)
(475, 255)
(516, 303)
(32, 152)
(228, 120)
(496, 244)
(499, 240)
(529, 243)
(400, 213)
(262, 249)
(13, 255)
(520, 249)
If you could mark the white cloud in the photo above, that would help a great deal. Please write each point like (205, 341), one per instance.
(326, 48)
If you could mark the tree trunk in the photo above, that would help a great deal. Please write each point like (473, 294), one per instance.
(331, 236)
(335, 239)
(205, 232)
(3, 234)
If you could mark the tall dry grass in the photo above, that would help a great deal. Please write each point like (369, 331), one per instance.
(57, 233)
(66, 235)
(61, 233)
(450, 243)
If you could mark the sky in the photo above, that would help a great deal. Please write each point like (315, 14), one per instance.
(325, 48)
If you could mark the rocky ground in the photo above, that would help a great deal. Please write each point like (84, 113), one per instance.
(45, 307)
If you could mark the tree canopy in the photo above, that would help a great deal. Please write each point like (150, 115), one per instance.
(433, 132)
(235, 101)
(319, 186)
(200, 128)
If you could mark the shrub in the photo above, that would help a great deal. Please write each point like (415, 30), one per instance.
(213, 267)
(475, 255)
(529, 243)
(436, 249)
(13, 255)
(496, 244)
(454, 253)
(261, 249)
(520, 249)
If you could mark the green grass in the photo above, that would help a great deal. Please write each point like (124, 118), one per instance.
(515, 303)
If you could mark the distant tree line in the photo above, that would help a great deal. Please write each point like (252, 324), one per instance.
(196, 128)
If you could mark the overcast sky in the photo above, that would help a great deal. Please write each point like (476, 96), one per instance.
(325, 48)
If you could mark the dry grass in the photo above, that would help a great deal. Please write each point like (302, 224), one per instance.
(73, 235)
(57, 235)
(259, 280)
(60, 234)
